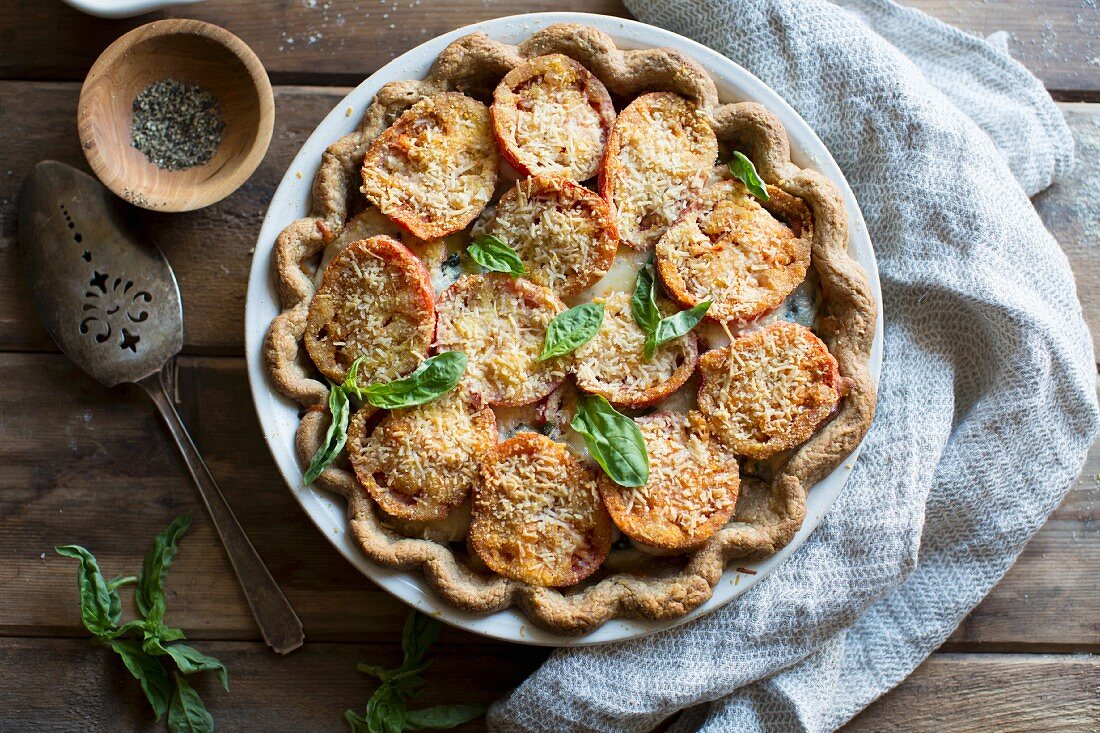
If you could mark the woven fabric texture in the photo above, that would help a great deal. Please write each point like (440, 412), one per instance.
(987, 398)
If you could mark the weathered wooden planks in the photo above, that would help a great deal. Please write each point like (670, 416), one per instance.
(100, 471)
(310, 689)
(991, 693)
(66, 685)
(341, 41)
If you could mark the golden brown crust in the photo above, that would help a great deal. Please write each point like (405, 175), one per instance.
(613, 363)
(769, 390)
(376, 301)
(728, 247)
(419, 463)
(537, 516)
(692, 487)
(561, 231)
(434, 169)
(769, 511)
(499, 322)
(552, 118)
(659, 155)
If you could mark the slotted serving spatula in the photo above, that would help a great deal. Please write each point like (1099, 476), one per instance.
(111, 303)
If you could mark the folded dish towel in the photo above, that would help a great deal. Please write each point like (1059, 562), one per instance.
(987, 398)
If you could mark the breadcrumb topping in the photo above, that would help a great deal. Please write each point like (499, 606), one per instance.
(374, 301)
(562, 231)
(730, 249)
(537, 515)
(552, 117)
(434, 169)
(500, 324)
(769, 390)
(660, 153)
(692, 487)
(613, 363)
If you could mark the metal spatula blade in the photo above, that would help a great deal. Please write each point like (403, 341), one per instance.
(109, 300)
(111, 303)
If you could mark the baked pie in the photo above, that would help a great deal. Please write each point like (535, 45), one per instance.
(588, 333)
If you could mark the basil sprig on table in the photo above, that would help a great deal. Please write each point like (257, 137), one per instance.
(571, 329)
(433, 378)
(743, 170)
(386, 710)
(495, 255)
(643, 308)
(140, 643)
(613, 440)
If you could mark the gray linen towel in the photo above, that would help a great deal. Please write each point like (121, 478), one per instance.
(987, 399)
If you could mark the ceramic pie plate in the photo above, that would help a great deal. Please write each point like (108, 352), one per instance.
(278, 415)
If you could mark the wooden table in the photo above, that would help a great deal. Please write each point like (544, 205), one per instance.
(80, 464)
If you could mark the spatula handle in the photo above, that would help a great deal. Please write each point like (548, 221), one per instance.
(278, 623)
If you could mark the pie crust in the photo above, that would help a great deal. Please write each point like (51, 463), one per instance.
(770, 504)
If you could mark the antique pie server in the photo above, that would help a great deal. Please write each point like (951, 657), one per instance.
(111, 303)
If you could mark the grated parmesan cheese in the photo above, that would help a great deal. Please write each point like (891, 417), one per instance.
(769, 390)
(613, 363)
(660, 153)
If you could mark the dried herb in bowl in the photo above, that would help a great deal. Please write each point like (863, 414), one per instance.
(176, 125)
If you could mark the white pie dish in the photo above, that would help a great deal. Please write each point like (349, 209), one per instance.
(278, 416)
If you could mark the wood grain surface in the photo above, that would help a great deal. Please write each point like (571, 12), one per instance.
(84, 465)
(342, 42)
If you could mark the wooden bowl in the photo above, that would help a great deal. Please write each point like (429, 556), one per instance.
(190, 51)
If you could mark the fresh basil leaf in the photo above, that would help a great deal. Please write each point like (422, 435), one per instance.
(148, 671)
(187, 714)
(351, 379)
(681, 323)
(385, 712)
(613, 440)
(336, 436)
(434, 378)
(190, 660)
(375, 670)
(743, 170)
(419, 634)
(130, 626)
(571, 329)
(98, 602)
(495, 255)
(643, 305)
(154, 569)
(442, 716)
(356, 722)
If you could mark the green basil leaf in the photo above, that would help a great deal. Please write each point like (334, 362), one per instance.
(434, 378)
(643, 305)
(613, 440)
(743, 169)
(375, 670)
(148, 671)
(98, 602)
(571, 329)
(351, 379)
(336, 436)
(356, 722)
(187, 714)
(126, 628)
(385, 712)
(681, 323)
(442, 716)
(495, 255)
(419, 634)
(154, 569)
(190, 660)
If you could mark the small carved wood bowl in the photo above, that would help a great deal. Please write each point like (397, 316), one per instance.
(190, 51)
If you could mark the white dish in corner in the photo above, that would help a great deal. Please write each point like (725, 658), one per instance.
(123, 8)
(279, 416)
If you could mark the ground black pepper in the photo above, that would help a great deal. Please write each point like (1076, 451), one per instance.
(176, 125)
